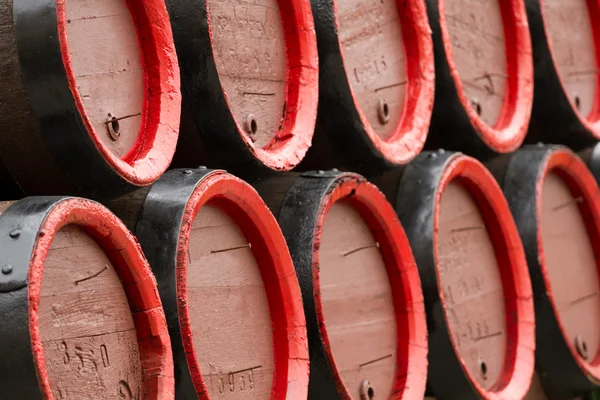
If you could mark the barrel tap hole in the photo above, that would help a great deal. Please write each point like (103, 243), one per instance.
(366, 390)
(483, 368)
(581, 347)
(251, 126)
(477, 107)
(383, 112)
(577, 102)
(114, 129)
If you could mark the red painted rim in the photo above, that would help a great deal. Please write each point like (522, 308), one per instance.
(592, 121)
(581, 183)
(514, 380)
(409, 136)
(411, 327)
(133, 270)
(293, 140)
(511, 128)
(243, 204)
(152, 153)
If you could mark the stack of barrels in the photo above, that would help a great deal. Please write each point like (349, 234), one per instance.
(292, 199)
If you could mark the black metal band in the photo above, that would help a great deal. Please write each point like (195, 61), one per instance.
(593, 162)
(53, 104)
(416, 207)
(450, 127)
(341, 138)
(553, 117)
(204, 100)
(553, 357)
(158, 229)
(298, 221)
(19, 229)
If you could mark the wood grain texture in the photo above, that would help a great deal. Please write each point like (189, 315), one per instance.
(569, 30)
(570, 263)
(106, 61)
(470, 281)
(478, 50)
(357, 303)
(89, 340)
(250, 54)
(374, 57)
(229, 313)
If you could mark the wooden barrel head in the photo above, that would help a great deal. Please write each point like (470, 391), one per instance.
(250, 55)
(570, 33)
(470, 280)
(554, 199)
(86, 326)
(475, 278)
(478, 47)
(370, 34)
(112, 71)
(221, 262)
(229, 311)
(572, 270)
(96, 326)
(360, 286)
(357, 303)
(106, 61)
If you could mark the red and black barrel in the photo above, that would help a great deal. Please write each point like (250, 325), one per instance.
(228, 285)
(82, 317)
(566, 108)
(362, 297)
(484, 75)
(89, 99)
(475, 281)
(554, 201)
(249, 74)
(376, 83)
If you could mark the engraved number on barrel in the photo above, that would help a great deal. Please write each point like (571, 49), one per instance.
(235, 381)
(124, 391)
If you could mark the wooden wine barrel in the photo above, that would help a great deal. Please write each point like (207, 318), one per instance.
(376, 83)
(475, 282)
(249, 75)
(228, 285)
(81, 313)
(484, 75)
(565, 50)
(362, 296)
(89, 96)
(554, 200)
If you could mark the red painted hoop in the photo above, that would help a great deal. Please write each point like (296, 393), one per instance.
(591, 122)
(411, 326)
(133, 270)
(511, 128)
(580, 181)
(514, 380)
(243, 204)
(289, 146)
(153, 151)
(409, 137)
